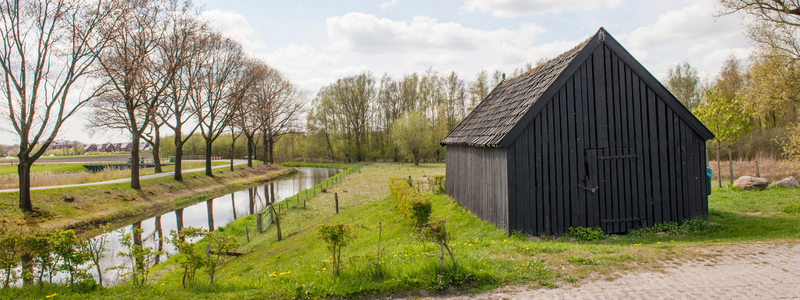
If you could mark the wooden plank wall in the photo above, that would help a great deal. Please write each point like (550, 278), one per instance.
(476, 178)
(604, 109)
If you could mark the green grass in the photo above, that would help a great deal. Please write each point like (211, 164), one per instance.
(487, 258)
(38, 168)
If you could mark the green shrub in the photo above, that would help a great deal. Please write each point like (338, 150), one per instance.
(581, 260)
(673, 228)
(792, 209)
(336, 235)
(414, 207)
(586, 234)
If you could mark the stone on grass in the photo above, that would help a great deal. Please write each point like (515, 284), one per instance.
(788, 182)
(751, 183)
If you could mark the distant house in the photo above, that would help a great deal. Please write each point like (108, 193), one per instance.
(589, 138)
(93, 148)
(108, 148)
(62, 144)
(144, 146)
(124, 147)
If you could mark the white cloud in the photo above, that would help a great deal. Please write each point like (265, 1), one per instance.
(511, 55)
(515, 8)
(425, 59)
(694, 22)
(386, 5)
(297, 58)
(715, 58)
(349, 71)
(365, 33)
(230, 23)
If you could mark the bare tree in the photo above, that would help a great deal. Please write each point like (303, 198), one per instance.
(278, 104)
(134, 73)
(246, 120)
(774, 24)
(353, 97)
(215, 98)
(184, 46)
(47, 52)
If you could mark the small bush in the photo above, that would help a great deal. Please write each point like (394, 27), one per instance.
(792, 209)
(673, 228)
(414, 207)
(581, 260)
(586, 234)
(336, 236)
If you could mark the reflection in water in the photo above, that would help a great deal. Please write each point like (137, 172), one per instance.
(218, 213)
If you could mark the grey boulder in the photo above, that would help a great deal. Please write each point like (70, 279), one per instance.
(788, 182)
(751, 183)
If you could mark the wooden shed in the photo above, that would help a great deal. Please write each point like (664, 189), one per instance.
(589, 138)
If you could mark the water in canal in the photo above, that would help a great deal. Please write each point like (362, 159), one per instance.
(210, 214)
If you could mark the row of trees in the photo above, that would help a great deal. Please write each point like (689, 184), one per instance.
(362, 117)
(139, 65)
(760, 95)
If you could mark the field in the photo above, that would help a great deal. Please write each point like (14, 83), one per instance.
(44, 174)
(486, 258)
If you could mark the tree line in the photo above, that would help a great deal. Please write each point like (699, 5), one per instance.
(143, 67)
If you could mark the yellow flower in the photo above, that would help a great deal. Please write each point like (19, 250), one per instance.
(659, 243)
(50, 296)
(671, 241)
(162, 284)
(273, 274)
(324, 269)
(81, 280)
(68, 285)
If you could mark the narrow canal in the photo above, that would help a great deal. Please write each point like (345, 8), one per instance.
(210, 215)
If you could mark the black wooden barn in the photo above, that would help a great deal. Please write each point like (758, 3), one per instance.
(589, 138)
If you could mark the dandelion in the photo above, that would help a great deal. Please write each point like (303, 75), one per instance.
(162, 284)
(81, 280)
(50, 296)
(671, 241)
(659, 243)
(68, 285)
(327, 268)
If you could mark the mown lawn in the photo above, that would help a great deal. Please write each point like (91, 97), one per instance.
(487, 258)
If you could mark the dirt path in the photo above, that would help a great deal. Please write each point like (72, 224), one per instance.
(236, 162)
(753, 271)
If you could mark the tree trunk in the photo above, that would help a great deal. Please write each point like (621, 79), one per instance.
(135, 162)
(330, 147)
(719, 167)
(250, 151)
(264, 148)
(27, 269)
(178, 158)
(233, 144)
(271, 151)
(24, 172)
(208, 158)
(156, 146)
(358, 148)
(416, 159)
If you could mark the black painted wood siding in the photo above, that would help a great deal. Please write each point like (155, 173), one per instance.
(605, 131)
(476, 177)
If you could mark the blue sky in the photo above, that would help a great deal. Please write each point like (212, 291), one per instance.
(315, 42)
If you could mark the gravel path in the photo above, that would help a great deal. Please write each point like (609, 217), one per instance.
(236, 162)
(753, 271)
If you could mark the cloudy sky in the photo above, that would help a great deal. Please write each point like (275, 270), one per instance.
(315, 42)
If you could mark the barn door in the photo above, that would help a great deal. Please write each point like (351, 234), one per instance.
(612, 201)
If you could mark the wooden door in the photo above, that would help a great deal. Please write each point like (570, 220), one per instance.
(612, 200)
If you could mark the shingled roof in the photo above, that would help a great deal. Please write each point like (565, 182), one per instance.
(506, 104)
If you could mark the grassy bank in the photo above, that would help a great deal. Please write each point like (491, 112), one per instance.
(487, 258)
(116, 202)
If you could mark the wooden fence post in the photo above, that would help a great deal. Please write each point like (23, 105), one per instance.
(758, 174)
(336, 202)
(278, 226)
(247, 232)
(259, 218)
(730, 162)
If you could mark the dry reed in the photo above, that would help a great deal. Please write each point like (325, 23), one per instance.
(49, 178)
(768, 168)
